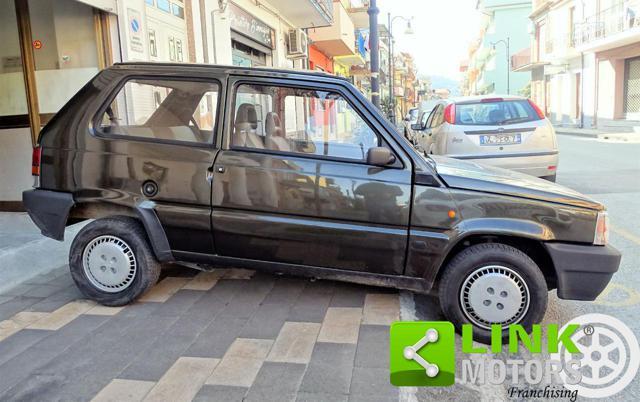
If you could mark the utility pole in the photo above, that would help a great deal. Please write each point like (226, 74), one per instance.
(374, 47)
(391, 79)
(506, 43)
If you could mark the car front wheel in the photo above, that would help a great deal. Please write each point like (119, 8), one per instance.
(492, 283)
(111, 261)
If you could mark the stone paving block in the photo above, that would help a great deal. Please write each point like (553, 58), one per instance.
(42, 291)
(348, 295)
(17, 322)
(19, 342)
(15, 371)
(241, 363)
(245, 302)
(104, 310)
(158, 356)
(340, 325)
(320, 397)
(295, 343)
(276, 382)
(373, 347)
(313, 302)
(164, 290)
(266, 321)
(369, 382)
(209, 393)
(5, 298)
(120, 390)
(178, 303)
(15, 305)
(18, 290)
(63, 315)
(216, 337)
(204, 281)
(183, 380)
(238, 273)
(285, 291)
(57, 300)
(381, 309)
(330, 369)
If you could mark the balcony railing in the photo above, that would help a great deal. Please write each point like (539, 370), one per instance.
(521, 59)
(619, 18)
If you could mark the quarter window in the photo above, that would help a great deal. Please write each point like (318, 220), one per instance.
(163, 110)
(302, 121)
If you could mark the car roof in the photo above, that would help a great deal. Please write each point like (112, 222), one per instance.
(231, 70)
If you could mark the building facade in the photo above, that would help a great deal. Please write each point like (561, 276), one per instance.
(53, 47)
(585, 62)
(503, 32)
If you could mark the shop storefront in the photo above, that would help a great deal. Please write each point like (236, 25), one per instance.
(50, 50)
(252, 41)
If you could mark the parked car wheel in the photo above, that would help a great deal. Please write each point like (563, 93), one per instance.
(111, 261)
(551, 178)
(492, 283)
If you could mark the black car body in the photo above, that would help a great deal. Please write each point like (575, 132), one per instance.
(241, 186)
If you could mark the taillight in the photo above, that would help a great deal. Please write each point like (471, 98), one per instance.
(35, 161)
(601, 236)
(537, 109)
(450, 113)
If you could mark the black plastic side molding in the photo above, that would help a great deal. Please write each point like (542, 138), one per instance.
(48, 210)
(153, 227)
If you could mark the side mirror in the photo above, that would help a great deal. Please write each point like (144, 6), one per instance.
(417, 127)
(380, 156)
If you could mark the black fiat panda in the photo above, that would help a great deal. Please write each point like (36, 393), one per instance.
(296, 172)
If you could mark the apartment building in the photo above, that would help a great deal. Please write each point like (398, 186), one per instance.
(503, 32)
(585, 62)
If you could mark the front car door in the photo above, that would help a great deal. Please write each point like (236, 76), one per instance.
(292, 185)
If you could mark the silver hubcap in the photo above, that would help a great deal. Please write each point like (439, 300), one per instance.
(494, 295)
(109, 264)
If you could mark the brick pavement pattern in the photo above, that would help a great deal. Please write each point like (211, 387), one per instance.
(225, 335)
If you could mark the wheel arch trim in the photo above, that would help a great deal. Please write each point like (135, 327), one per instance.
(145, 211)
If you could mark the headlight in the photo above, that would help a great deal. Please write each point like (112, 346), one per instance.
(601, 236)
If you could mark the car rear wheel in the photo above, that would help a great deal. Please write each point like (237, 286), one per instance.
(111, 261)
(492, 283)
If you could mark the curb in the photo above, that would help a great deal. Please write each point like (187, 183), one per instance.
(575, 134)
(19, 264)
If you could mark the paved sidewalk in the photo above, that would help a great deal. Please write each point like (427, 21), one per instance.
(598, 134)
(224, 335)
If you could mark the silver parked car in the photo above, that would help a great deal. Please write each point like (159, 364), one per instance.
(504, 131)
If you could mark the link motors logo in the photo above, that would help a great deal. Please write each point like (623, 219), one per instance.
(609, 358)
(594, 356)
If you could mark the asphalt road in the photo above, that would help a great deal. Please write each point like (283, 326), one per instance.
(609, 172)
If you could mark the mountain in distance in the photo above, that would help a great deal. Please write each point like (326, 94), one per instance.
(439, 81)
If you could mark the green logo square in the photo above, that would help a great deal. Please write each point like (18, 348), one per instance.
(423, 353)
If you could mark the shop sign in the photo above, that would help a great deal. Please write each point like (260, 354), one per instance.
(251, 27)
(135, 31)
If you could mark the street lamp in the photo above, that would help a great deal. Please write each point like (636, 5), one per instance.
(506, 43)
(408, 31)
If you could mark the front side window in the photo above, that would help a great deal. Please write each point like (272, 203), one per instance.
(303, 121)
(163, 110)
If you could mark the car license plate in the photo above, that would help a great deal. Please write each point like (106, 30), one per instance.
(501, 139)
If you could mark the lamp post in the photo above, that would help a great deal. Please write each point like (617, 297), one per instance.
(506, 43)
(374, 46)
(408, 31)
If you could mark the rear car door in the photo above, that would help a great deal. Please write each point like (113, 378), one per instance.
(158, 146)
(292, 184)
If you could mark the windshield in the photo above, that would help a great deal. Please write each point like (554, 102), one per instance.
(495, 113)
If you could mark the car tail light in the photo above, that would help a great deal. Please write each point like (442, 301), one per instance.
(537, 109)
(36, 155)
(601, 237)
(492, 100)
(450, 113)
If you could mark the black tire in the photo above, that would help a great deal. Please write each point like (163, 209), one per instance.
(133, 234)
(551, 178)
(478, 256)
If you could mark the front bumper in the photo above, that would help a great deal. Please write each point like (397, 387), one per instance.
(583, 271)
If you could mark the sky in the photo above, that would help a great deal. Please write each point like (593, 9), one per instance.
(442, 29)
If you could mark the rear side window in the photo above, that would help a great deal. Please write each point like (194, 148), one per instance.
(495, 113)
(163, 110)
